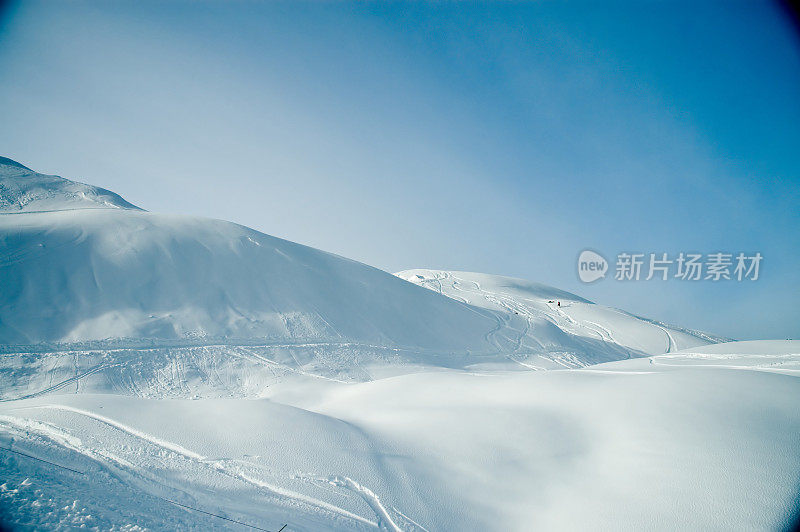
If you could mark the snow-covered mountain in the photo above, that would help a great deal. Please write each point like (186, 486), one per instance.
(80, 273)
(91, 274)
(77, 276)
(163, 372)
(23, 190)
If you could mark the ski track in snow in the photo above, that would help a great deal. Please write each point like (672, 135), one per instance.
(384, 519)
(151, 464)
(130, 430)
(515, 301)
(516, 307)
(65, 382)
(103, 457)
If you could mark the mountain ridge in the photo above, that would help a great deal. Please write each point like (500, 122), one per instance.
(23, 190)
(112, 284)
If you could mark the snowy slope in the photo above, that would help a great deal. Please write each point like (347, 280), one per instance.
(79, 273)
(535, 323)
(23, 190)
(81, 281)
(166, 372)
(101, 274)
(679, 441)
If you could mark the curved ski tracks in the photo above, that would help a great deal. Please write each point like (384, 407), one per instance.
(22, 428)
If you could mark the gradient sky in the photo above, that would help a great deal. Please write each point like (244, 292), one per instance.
(502, 138)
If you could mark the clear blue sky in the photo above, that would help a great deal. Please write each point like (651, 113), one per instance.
(502, 138)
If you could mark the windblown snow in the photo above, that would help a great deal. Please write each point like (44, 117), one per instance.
(163, 372)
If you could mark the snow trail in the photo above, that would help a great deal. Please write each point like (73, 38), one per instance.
(384, 519)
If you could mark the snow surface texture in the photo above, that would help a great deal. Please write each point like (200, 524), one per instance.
(174, 373)
(681, 441)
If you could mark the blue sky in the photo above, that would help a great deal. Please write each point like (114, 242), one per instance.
(503, 138)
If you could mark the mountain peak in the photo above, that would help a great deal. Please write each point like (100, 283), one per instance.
(24, 190)
(5, 161)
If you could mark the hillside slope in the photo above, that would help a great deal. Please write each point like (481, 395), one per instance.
(541, 318)
(89, 266)
(103, 274)
(113, 299)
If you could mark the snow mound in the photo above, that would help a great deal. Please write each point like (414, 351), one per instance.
(23, 190)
